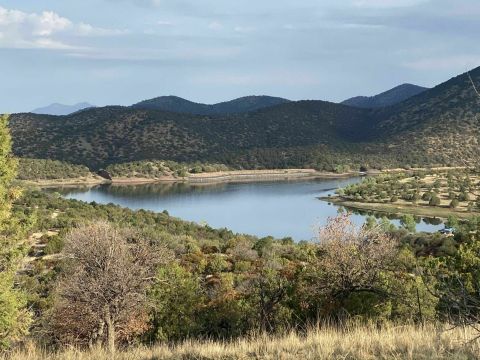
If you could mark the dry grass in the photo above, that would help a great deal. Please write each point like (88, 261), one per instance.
(357, 343)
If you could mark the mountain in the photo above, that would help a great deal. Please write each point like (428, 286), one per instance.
(440, 126)
(61, 109)
(387, 98)
(237, 106)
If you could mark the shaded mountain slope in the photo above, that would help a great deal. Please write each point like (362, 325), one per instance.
(390, 97)
(440, 126)
(236, 106)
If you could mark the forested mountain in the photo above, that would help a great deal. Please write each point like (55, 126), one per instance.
(437, 127)
(61, 109)
(387, 98)
(237, 106)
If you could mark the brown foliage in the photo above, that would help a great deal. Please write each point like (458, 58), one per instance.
(102, 294)
(351, 259)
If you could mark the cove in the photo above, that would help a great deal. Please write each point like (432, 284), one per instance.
(279, 208)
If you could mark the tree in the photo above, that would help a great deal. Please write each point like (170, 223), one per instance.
(177, 300)
(269, 286)
(434, 201)
(408, 222)
(102, 294)
(454, 203)
(457, 284)
(349, 271)
(14, 318)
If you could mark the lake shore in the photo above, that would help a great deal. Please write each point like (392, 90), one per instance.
(404, 209)
(201, 178)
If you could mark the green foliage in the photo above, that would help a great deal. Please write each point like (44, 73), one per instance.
(454, 203)
(55, 245)
(158, 168)
(14, 318)
(38, 169)
(408, 222)
(225, 285)
(434, 201)
(177, 302)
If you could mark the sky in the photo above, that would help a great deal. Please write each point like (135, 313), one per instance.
(122, 51)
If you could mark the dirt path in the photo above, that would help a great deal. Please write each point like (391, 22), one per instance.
(36, 244)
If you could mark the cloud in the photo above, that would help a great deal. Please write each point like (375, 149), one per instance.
(456, 63)
(243, 29)
(89, 30)
(215, 25)
(47, 30)
(387, 3)
(164, 23)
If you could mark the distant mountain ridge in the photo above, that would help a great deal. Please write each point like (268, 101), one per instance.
(62, 109)
(438, 127)
(390, 97)
(236, 106)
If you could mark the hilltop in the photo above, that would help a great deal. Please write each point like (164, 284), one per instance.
(390, 97)
(236, 106)
(437, 127)
(61, 109)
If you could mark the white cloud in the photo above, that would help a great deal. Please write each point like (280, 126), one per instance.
(243, 29)
(164, 23)
(83, 29)
(456, 63)
(215, 25)
(387, 3)
(42, 30)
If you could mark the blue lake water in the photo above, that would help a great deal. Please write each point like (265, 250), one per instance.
(280, 208)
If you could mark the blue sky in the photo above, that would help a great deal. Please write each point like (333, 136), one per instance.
(123, 51)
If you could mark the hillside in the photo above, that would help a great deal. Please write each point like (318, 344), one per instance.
(236, 106)
(61, 109)
(437, 127)
(387, 98)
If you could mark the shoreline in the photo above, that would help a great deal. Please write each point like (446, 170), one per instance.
(202, 178)
(221, 177)
(388, 208)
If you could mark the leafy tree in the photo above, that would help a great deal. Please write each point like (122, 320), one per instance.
(434, 201)
(457, 284)
(177, 301)
(14, 318)
(408, 222)
(454, 203)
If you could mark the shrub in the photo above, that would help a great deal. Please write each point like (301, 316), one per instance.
(454, 203)
(434, 201)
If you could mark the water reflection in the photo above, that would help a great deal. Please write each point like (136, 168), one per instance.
(281, 209)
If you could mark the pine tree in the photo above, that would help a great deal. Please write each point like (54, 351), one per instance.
(14, 318)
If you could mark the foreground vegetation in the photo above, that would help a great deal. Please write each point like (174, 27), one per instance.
(87, 276)
(353, 342)
(219, 285)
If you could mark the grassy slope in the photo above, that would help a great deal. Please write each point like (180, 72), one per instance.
(361, 343)
(402, 209)
(420, 207)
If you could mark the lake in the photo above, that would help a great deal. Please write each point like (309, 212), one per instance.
(279, 208)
